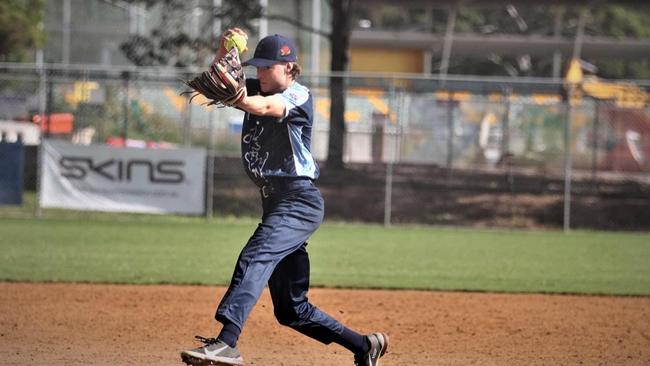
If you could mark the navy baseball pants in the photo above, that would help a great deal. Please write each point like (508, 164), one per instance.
(277, 254)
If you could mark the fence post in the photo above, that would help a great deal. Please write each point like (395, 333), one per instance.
(125, 105)
(187, 122)
(568, 160)
(209, 211)
(506, 155)
(388, 194)
(49, 100)
(42, 106)
(505, 125)
(450, 134)
(388, 189)
(577, 51)
(594, 148)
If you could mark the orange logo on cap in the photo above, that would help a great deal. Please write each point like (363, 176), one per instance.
(285, 50)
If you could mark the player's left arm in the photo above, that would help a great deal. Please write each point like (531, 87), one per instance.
(271, 106)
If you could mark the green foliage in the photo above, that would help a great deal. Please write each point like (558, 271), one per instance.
(162, 249)
(620, 21)
(169, 44)
(622, 69)
(20, 28)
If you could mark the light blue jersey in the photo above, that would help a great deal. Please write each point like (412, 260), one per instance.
(273, 147)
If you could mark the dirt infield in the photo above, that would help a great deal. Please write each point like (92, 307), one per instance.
(80, 324)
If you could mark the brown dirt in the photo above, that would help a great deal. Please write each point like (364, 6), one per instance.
(82, 324)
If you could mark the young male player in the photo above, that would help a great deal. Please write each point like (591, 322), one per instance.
(275, 148)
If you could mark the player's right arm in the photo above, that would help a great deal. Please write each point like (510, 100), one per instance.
(271, 105)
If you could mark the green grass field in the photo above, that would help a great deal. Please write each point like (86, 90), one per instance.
(196, 251)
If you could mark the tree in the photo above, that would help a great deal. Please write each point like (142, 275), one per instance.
(171, 43)
(620, 21)
(20, 28)
(607, 21)
(340, 42)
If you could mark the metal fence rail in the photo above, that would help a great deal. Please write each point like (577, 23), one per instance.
(515, 128)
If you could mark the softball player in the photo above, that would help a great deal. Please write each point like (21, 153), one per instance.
(275, 147)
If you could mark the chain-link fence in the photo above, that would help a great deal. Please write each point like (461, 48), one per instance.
(452, 151)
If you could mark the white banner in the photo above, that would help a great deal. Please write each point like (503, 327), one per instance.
(104, 178)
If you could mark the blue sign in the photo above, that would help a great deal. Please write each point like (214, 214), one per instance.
(12, 158)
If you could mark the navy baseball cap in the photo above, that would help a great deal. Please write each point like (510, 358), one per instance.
(272, 50)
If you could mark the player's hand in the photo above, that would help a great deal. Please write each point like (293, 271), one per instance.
(228, 33)
(221, 50)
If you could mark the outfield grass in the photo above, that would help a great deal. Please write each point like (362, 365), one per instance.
(195, 251)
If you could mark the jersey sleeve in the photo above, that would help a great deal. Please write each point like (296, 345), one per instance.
(295, 102)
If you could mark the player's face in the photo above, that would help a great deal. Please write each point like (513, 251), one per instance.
(274, 78)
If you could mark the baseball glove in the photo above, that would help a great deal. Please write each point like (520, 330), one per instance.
(224, 83)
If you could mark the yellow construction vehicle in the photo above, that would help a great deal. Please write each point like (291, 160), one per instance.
(625, 95)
